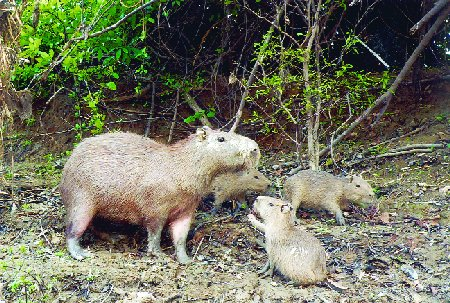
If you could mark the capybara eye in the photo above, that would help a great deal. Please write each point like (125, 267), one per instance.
(221, 139)
(357, 185)
(270, 204)
(256, 177)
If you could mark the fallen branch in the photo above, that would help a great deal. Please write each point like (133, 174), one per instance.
(415, 146)
(400, 153)
(387, 96)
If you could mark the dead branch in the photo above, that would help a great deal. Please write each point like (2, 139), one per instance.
(425, 19)
(259, 60)
(387, 96)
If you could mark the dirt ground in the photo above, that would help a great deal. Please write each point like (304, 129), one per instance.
(396, 251)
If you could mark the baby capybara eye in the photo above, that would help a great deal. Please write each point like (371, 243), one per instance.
(270, 204)
(256, 177)
(221, 139)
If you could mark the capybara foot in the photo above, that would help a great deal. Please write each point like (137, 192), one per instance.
(76, 251)
(184, 259)
(154, 251)
(266, 271)
(340, 219)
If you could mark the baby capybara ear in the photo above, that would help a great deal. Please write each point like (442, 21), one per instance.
(201, 133)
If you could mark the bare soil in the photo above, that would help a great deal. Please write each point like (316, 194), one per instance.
(396, 251)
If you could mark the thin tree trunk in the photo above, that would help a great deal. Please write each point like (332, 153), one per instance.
(387, 96)
(174, 119)
(251, 79)
(152, 108)
(312, 109)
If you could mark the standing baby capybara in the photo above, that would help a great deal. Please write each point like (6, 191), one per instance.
(234, 185)
(321, 190)
(291, 250)
(129, 178)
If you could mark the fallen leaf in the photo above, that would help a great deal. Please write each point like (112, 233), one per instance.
(384, 217)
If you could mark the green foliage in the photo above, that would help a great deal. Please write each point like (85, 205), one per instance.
(95, 65)
(210, 113)
(341, 89)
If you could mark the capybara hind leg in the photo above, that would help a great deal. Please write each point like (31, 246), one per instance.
(180, 229)
(74, 231)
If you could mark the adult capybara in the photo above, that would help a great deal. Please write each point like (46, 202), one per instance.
(234, 185)
(129, 178)
(321, 190)
(291, 250)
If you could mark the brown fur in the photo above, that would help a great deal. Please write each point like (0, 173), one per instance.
(234, 185)
(291, 250)
(129, 178)
(321, 190)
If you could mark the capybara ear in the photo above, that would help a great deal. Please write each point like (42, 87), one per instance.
(201, 133)
(285, 208)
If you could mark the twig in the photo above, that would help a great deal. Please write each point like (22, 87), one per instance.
(198, 247)
(48, 102)
(115, 25)
(172, 126)
(152, 108)
(373, 53)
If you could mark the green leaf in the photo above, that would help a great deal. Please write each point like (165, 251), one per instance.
(111, 85)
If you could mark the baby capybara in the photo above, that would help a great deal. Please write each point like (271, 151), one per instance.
(321, 190)
(291, 250)
(129, 178)
(234, 185)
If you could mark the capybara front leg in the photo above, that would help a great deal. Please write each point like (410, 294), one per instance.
(338, 213)
(179, 229)
(74, 231)
(257, 224)
(154, 238)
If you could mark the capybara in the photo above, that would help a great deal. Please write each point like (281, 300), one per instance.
(129, 178)
(321, 190)
(291, 250)
(234, 185)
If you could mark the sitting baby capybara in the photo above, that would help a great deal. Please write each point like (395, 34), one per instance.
(321, 190)
(234, 185)
(291, 250)
(129, 178)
